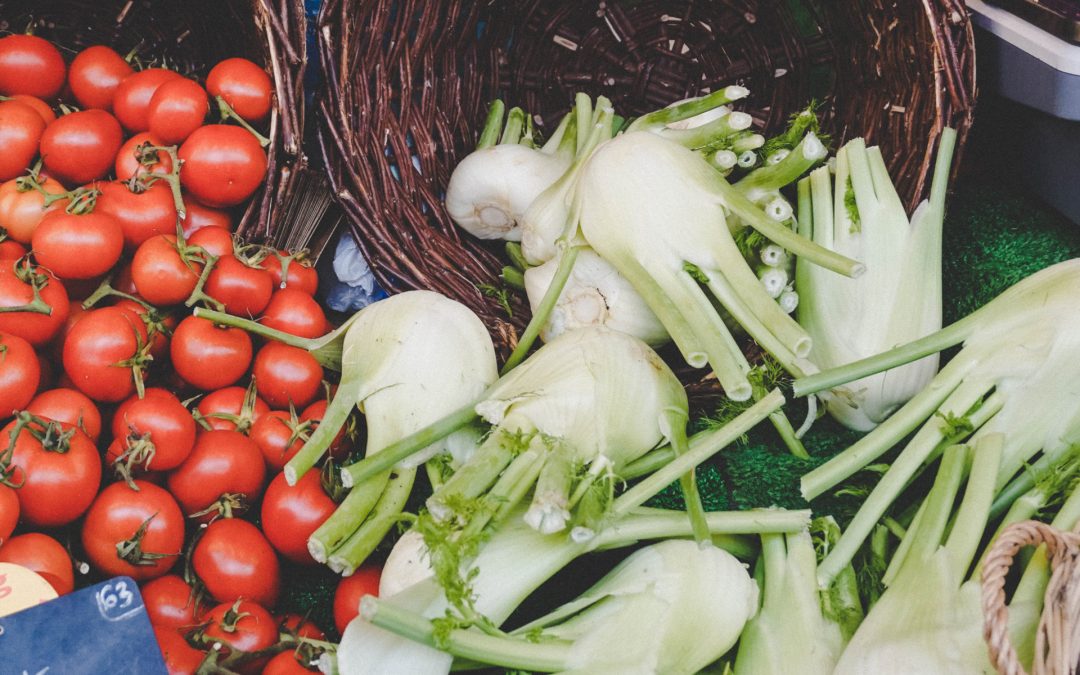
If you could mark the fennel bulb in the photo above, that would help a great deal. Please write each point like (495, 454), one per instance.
(594, 295)
(899, 297)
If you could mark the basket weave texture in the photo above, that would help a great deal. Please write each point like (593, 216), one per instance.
(408, 82)
(190, 37)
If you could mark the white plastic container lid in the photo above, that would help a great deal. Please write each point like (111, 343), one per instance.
(1048, 48)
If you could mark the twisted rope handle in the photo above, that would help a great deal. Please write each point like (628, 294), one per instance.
(1057, 640)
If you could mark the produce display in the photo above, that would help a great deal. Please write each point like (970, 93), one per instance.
(180, 409)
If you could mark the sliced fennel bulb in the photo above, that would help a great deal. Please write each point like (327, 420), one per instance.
(899, 297)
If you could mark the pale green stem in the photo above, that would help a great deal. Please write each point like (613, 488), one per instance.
(325, 349)
(492, 125)
(551, 500)
(710, 133)
(544, 309)
(387, 513)
(970, 522)
(688, 109)
(772, 177)
(747, 143)
(1025, 508)
(510, 489)
(583, 110)
(555, 142)
(515, 123)
(939, 503)
(434, 474)
(347, 519)
(336, 415)
(474, 477)
(896, 563)
(688, 482)
(762, 317)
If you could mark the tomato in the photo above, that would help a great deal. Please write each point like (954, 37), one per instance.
(159, 326)
(105, 352)
(229, 409)
(222, 462)
(20, 373)
(216, 241)
(313, 414)
(199, 216)
(177, 108)
(180, 657)
(95, 74)
(44, 555)
(17, 282)
(243, 290)
(299, 626)
(160, 273)
(272, 432)
(244, 626)
(158, 427)
(291, 513)
(40, 107)
(81, 146)
(9, 511)
(286, 663)
(131, 99)
(11, 249)
(69, 407)
(142, 214)
(365, 581)
(208, 356)
(21, 129)
(223, 165)
(30, 65)
(234, 560)
(22, 210)
(296, 313)
(136, 533)
(134, 158)
(171, 602)
(244, 85)
(288, 272)
(78, 247)
(287, 375)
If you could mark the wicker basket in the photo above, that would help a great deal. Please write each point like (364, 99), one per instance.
(408, 83)
(190, 37)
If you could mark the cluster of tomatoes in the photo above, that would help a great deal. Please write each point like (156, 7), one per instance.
(139, 434)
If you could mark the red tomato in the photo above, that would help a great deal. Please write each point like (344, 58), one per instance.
(296, 313)
(234, 560)
(286, 663)
(159, 427)
(81, 146)
(208, 356)
(131, 100)
(9, 511)
(291, 514)
(104, 353)
(245, 87)
(78, 247)
(171, 602)
(21, 129)
(288, 272)
(245, 291)
(160, 273)
(20, 373)
(17, 282)
(285, 374)
(226, 409)
(222, 462)
(114, 537)
(69, 407)
(272, 432)
(159, 326)
(180, 657)
(60, 474)
(216, 241)
(44, 555)
(223, 165)
(40, 107)
(300, 627)
(11, 250)
(22, 210)
(134, 158)
(95, 74)
(244, 626)
(30, 65)
(365, 581)
(141, 215)
(313, 414)
(199, 216)
(177, 108)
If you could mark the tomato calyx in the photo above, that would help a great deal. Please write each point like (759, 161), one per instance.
(172, 178)
(227, 113)
(139, 450)
(243, 420)
(227, 505)
(130, 550)
(52, 435)
(286, 260)
(139, 362)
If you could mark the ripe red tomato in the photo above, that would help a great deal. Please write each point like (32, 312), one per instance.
(78, 246)
(103, 353)
(180, 657)
(160, 273)
(131, 99)
(289, 272)
(216, 241)
(20, 374)
(365, 581)
(40, 107)
(223, 165)
(177, 108)
(222, 462)
(171, 602)
(44, 555)
(313, 414)
(30, 65)
(299, 626)
(69, 407)
(135, 533)
(95, 74)
(225, 409)
(17, 282)
(296, 313)
(291, 514)
(244, 626)
(11, 249)
(272, 432)
(286, 663)
(60, 474)
(141, 214)
(81, 146)
(234, 560)
(244, 290)
(245, 87)
(21, 129)
(199, 216)
(159, 326)
(9, 511)
(159, 427)
(208, 356)
(22, 210)
(132, 161)
(285, 374)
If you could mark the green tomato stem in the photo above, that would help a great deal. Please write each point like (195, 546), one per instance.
(227, 113)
